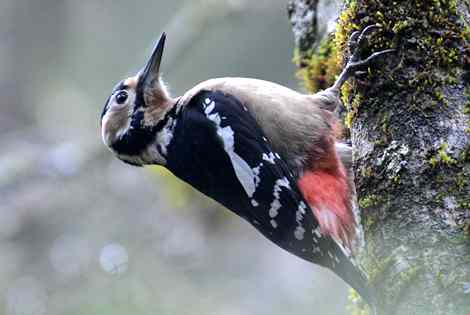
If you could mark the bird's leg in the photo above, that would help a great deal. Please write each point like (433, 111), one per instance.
(356, 41)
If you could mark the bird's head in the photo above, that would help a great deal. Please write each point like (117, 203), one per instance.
(134, 112)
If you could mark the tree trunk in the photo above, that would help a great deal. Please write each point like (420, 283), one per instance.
(410, 128)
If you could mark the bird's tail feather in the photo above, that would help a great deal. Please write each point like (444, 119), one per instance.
(357, 279)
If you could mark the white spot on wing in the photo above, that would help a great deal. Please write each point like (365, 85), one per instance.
(299, 216)
(209, 108)
(244, 174)
(248, 177)
(299, 233)
(274, 223)
(269, 157)
(276, 204)
(317, 232)
(256, 172)
(283, 182)
(254, 203)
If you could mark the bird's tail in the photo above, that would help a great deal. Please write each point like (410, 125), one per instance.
(346, 268)
(359, 282)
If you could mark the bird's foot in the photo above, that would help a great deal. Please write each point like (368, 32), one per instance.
(356, 41)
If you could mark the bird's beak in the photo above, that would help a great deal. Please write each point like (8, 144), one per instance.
(151, 70)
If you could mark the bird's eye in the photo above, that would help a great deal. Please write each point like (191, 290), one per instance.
(121, 97)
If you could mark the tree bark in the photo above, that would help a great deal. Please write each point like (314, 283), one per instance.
(410, 130)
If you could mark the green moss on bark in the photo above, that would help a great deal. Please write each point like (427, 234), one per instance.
(318, 69)
(429, 46)
(412, 165)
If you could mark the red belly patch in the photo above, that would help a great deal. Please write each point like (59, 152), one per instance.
(329, 196)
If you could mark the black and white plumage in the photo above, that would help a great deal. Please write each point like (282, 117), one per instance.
(263, 151)
(219, 149)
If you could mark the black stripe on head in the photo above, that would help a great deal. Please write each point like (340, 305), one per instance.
(139, 94)
(117, 87)
(169, 114)
(138, 137)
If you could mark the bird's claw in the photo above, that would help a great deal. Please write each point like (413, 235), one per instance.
(356, 41)
(352, 43)
(370, 59)
(366, 31)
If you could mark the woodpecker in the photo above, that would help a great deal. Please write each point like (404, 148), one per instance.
(262, 150)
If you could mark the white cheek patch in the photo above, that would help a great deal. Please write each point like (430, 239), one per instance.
(110, 132)
(105, 134)
(123, 130)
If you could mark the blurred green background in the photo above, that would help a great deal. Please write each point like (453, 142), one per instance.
(83, 233)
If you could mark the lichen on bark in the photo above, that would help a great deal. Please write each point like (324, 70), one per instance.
(315, 52)
(409, 121)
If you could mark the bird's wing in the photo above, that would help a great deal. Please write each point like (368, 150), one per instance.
(218, 148)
